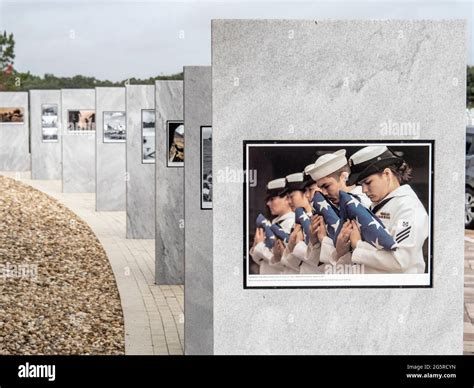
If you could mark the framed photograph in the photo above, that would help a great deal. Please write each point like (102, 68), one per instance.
(13, 115)
(49, 123)
(174, 143)
(80, 121)
(114, 127)
(206, 168)
(148, 136)
(389, 206)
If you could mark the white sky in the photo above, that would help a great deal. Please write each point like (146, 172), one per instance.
(116, 40)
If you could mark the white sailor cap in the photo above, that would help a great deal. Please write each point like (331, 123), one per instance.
(295, 181)
(276, 188)
(307, 178)
(327, 164)
(180, 130)
(370, 160)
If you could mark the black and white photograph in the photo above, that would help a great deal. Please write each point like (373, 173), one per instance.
(175, 143)
(49, 123)
(338, 214)
(148, 136)
(13, 115)
(81, 121)
(114, 127)
(206, 167)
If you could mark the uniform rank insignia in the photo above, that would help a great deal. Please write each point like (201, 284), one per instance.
(403, 231)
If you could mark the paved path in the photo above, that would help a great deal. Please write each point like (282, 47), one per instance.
(153, 315)
(154, 319)
(469, 292)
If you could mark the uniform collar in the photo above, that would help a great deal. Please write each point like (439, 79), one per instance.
(356, 190)
(283, 217)
(402, 191)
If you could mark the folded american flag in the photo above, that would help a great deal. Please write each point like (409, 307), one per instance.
(262, 222)
(372, 229)
(322, 206)
(302, 219)
(280, 233)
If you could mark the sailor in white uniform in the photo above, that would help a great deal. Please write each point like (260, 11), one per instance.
(384, 177)
(293, 255)
(279, 206)
(331, 172)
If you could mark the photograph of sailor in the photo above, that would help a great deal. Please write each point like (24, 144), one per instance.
(175, 138)
(384, 178)
(293, 256)
(331, 172)
(281, 215)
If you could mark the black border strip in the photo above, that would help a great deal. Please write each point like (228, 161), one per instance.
(322, 142)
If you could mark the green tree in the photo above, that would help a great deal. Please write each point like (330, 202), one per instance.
(7, 55)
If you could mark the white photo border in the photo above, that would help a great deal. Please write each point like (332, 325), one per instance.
(298, 281)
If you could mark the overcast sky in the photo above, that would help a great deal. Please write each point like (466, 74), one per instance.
(116, 40)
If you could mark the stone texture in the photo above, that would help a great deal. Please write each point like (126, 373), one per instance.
(45, 157)
(198, 239)
(169, 189)
(78, 148)
(141, 177)
(14, 138)
(338, 80)
(110, 160)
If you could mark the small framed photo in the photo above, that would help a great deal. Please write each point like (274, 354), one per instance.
(174, 143)
(148, 136)
(13, 115)
(81, 121)
(206, 167)
(49, 123)
(114, 127)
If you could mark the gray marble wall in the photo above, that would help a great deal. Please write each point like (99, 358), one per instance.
(141, 177)
(198, 239)
(169, 189)
(338, 80)
(110, 160)
(78, 149)
(45, 156)
(14, 137)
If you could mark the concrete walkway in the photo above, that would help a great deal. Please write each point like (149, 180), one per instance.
(153, 315)
(154, 319)
(469, 292)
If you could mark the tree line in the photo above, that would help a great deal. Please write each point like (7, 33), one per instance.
(12, 80)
